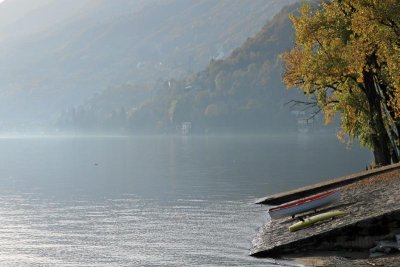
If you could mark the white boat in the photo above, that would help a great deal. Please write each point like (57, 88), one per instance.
(305, 204)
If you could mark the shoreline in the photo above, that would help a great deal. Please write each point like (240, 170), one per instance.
(372, 203)
(334, 259)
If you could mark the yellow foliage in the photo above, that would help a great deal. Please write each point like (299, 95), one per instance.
(334, 47)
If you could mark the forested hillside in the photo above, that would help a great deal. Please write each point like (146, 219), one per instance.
(242, 93)
(56, 53)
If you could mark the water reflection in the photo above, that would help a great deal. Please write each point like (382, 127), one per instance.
(129, 231)
(143, 201)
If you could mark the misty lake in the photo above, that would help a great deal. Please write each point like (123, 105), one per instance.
(146, 201)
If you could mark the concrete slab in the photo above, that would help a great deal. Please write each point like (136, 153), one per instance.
(284, 197)
(373, 204)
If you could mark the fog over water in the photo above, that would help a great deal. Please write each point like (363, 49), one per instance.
(145, 201)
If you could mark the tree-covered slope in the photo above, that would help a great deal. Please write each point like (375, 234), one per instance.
(243, 92)
(58, 52)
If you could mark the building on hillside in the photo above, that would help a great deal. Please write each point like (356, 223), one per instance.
(186, 127)
(304, 122)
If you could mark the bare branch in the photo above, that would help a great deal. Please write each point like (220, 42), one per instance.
(300, 102)
(314, 114)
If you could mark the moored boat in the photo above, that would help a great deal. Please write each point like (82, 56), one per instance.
(305, 204)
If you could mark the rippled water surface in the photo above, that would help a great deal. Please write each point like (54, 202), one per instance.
(151, 201)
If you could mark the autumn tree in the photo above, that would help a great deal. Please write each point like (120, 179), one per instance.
(347, 60)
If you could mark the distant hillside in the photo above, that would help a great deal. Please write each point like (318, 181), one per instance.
(242, 93)
(59, 52)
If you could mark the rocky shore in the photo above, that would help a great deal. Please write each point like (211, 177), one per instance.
(347, 261)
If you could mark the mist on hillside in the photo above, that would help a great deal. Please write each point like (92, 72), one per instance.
(143, 66)
(141, 132)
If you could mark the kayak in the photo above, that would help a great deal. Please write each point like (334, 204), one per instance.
(316, 218)
(305, 204)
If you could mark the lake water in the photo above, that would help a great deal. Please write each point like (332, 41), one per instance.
(151, 201)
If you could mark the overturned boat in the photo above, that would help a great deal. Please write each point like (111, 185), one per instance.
(305, 204)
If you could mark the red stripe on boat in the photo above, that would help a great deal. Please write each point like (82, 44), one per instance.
(304, 200)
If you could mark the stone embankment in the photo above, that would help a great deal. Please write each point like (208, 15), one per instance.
(372, 200)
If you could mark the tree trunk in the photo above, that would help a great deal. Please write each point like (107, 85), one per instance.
(393, 127)
(395, 158)
(380, 138)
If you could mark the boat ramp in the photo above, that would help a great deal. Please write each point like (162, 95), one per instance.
(371, 199)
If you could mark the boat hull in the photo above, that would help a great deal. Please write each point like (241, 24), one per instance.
(305, 205)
